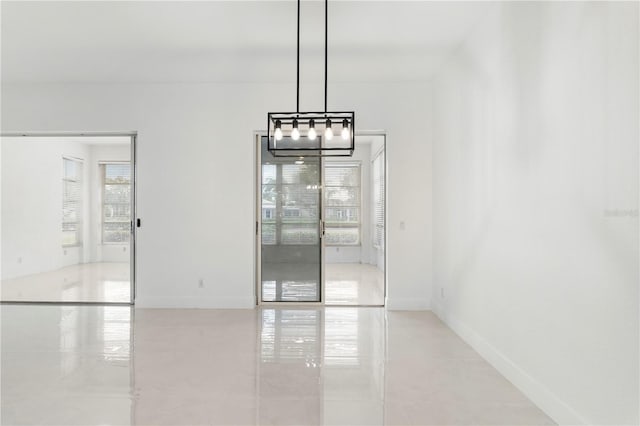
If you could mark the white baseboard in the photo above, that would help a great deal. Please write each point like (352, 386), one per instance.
(546, 400)
(438, 309)
(407, 304)
(195, 302)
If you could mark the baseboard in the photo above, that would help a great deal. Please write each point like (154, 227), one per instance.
(438, 309)
(546, 400)
(195, 303)
(407, 304)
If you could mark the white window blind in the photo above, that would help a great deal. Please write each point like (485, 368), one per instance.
(299, 204)
(290, 203)
(116, 202)
(342, 203)
(378, 201)
(71, 202)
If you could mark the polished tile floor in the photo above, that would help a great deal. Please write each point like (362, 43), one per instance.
(354, 284)
(349, 284)
(85, 282)
(91, 365)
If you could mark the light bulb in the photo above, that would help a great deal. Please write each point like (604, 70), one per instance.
(328, 133)
(345, 130)
(295, 133)
(312, 130)
(278, 132)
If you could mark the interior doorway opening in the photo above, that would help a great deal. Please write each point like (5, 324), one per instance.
(68, 203)
(320, 227)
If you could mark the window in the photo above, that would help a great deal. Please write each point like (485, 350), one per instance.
(378, 201)
(342, 203)
(290, 202)
(71, 202)
(116, 202)
(300, 203)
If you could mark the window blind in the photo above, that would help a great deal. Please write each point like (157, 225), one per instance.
(342, 203)
(378, 201)
(116, 202)
(290, 203)
(71, 202)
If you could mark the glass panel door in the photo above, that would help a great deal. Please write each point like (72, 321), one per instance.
(291, 244)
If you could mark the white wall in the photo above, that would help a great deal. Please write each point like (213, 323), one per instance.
(536, 202)
(198, 223)
(32, 206)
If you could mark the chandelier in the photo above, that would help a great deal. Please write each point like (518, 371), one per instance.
(311, 134)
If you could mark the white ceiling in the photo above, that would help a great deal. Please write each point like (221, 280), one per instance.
(86, 41)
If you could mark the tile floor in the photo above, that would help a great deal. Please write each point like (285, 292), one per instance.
(354, 284)
(86, 282)
(90, 365)
(350, 284)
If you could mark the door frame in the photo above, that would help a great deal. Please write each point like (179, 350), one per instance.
(258, 235)
(133, 135)
(257, 203)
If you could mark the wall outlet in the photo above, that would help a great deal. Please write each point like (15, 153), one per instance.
(201, 283)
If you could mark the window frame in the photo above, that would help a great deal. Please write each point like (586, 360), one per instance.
(103, 169)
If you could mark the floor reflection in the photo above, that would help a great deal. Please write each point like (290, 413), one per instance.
(85, 282)
(67, 365)
(91, 365)
(290, 282)
(328, 364)
(346, 284)
(354, 284)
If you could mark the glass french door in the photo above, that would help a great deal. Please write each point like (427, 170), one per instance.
(290, 231)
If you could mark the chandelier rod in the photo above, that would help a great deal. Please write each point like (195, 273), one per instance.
(326, 37)
(298, 64)
(326, 26)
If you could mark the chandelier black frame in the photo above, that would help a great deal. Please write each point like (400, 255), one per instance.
(294, 134)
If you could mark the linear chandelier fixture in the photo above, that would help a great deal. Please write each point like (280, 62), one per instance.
(311, 134)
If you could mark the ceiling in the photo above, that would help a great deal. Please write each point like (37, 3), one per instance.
(233, 41)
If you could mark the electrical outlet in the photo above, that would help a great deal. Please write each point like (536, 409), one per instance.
(201, 283)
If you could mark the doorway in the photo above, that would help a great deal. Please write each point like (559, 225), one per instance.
(68, 203)
(320, 226)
